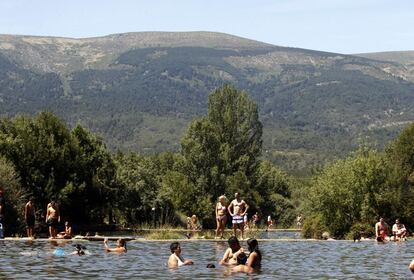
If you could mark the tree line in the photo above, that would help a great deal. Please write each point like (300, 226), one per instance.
(41, 157)
(220, 154)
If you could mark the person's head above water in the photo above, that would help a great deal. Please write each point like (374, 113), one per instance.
(121, 243)
(175, 248)
(234, 243)
(242, 258)
(79, 249)
(253, 244)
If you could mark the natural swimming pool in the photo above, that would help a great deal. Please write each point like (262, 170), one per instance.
(298, 259)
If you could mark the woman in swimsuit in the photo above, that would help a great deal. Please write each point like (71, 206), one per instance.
(120, 246)
(175, 259)
(221, 216)
(230, 256)
(254, 260)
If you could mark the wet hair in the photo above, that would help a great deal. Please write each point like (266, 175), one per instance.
(122, 242)
(210, 265)
(241, 258)
(233, 242)
(79, 249)
(174, 246)
(254, 246)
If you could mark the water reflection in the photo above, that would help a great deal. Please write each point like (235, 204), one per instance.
(147, 260)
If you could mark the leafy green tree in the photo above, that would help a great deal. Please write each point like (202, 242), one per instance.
(400, 162)
(349, 191)
(274, 192)
(15, 197)
(221, 151)
(42, 152)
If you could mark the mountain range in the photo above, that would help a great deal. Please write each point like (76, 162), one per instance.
(139, 91)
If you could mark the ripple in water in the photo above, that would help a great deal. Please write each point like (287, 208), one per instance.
(147, 260)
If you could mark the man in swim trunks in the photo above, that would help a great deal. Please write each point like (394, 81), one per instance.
(29, 216)
(237, 210)
(398, 230)
(381, 230)
(52, 218)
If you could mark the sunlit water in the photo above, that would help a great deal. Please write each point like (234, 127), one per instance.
(147, 260)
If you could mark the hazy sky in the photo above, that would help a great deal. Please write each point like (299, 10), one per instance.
(344, 26)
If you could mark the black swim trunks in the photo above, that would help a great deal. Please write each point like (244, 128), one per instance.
(30, 221)
(52, 222)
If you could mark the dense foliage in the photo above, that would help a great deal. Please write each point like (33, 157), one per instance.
(220, 154)
(350, 195)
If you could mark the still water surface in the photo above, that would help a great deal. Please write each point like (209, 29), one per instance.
(147, 260)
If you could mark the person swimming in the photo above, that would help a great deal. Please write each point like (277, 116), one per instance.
(120, 246)
(79, 250)
(175, 259)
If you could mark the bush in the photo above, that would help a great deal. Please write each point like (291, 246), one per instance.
(313, 227)
(366, 230)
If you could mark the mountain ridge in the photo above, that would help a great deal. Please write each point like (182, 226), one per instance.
(140, 90)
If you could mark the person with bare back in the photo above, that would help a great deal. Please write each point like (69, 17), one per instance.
(52, 218)
(238, 209)
(29, 215)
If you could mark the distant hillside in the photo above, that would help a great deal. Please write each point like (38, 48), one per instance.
(140, 90)
(404, 58)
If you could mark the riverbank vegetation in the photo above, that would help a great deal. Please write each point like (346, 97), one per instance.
(220, 154)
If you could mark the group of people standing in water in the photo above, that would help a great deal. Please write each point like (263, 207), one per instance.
(235, 256)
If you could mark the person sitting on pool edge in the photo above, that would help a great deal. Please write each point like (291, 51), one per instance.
(67, 234)
(175, 259)
(120, 246)
(398, 230)
(230, 255)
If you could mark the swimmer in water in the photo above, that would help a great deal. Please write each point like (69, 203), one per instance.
(230, 256)
(175, 259)
(79, 250)
(120, 246)
(253, 261)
